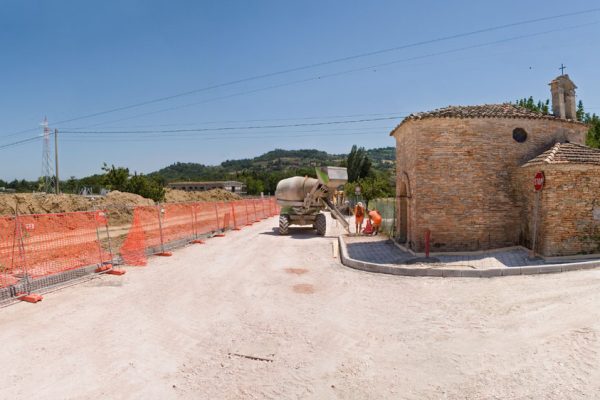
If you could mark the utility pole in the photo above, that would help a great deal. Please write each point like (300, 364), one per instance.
(56, 187)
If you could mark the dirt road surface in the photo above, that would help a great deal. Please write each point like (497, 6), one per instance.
(258, 316)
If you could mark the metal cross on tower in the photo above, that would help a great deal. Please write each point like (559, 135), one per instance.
(562, 69)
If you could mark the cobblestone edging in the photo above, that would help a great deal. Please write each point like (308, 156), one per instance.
(407, 270)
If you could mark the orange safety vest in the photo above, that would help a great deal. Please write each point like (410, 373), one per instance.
(359, 211)
(375, 217)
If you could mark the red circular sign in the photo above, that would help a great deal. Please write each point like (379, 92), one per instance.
(538, 180)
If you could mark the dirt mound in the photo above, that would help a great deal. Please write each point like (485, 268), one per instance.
(180, 196)
(119, 205)
(39, 203)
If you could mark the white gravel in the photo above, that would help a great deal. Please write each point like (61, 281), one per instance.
(169, 330)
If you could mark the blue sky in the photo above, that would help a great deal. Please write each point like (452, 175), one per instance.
(66, 59)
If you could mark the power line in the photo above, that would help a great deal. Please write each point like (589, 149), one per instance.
(333, 61)
(228, 128)
(247, 120)
(226, 138)
(31, 139)
(233, 134)
(340, 73)
(323, 63)
(309, 79)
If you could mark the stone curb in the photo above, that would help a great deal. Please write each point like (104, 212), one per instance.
(406, 270)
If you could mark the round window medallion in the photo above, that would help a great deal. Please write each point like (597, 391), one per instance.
(520, 135)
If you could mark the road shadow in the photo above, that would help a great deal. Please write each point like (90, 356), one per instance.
(296, 232)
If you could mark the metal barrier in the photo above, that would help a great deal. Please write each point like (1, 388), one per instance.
(41, 251)
(156, 230)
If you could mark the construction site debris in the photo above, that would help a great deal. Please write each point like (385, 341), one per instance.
(180, 196)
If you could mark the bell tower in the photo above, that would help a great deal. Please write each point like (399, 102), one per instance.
(563, 97)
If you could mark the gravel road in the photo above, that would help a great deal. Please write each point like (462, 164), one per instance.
(254, 315)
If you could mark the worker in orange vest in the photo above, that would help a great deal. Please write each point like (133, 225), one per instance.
(359, 216)
(376, 219)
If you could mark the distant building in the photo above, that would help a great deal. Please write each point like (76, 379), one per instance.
(230, 186)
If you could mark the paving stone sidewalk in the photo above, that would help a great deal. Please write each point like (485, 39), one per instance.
(380, 250)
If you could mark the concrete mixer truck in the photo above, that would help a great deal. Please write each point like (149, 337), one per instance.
(302, 199)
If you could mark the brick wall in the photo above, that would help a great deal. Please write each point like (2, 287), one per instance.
(406, 163)
(461, 177)
(568, 204)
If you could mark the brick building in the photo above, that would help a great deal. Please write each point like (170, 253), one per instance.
(466, 174)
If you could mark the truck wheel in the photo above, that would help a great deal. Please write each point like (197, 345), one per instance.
(321, 224)
(284, 224)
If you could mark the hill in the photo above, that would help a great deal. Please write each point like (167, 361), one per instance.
(278, 160)
(262, 173)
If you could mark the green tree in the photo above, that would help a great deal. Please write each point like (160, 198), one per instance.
(146, 187)
(254, 186)
(593, 136)
(542, 107)
(375, 186)
(358, 164)
(118, 178)
(115, 178)
(580, 111)
(593, 122)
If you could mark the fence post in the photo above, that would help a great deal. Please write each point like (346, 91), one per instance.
(112, 271)
(248, 222)
(218, 232)
(108, 238)
(195, 225)
(162, 253)
(235, 225)
(27, 295)
(101, 266)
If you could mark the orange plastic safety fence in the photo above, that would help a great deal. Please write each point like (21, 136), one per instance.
(11, 256)
(224, 217)
(144, 233)
(177, 223)
(54, 243)
(240, 213)
(256, 208)
(181, 223)
(250, 211)
(205, 218)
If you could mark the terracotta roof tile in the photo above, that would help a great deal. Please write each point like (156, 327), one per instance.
(567, 153)
(505, 110)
